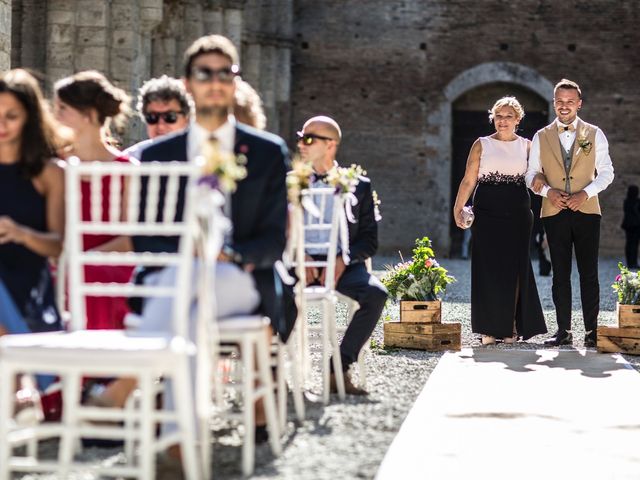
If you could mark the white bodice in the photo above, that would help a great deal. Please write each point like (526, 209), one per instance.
(501, 158)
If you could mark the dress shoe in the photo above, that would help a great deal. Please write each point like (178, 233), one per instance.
(590, 339)
(562, 337)
(488, 340)
(349, 387)
(261, 434)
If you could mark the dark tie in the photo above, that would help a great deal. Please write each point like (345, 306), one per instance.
(318, 177)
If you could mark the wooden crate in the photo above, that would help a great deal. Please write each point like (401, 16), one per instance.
(434, 337)
(420, 312)
(619, 340)
(628, 316)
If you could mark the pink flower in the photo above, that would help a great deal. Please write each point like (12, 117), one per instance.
(618, 278)
(243, 149)
(428, 263)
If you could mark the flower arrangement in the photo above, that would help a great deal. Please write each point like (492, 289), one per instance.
(342, 179)
(627, 286)
(222, 170)
(298, 179)
(376, 206)
(584, 144)
(421, 279)
(345, 179)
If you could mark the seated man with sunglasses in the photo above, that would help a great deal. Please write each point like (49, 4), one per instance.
(163, 104)
(318, 144)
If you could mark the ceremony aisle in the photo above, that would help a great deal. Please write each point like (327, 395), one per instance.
(488, 413)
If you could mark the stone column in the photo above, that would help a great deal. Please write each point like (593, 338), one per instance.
(5, 34)
(130, 50)
(60, 44)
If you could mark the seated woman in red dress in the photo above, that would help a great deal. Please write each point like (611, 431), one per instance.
(88, 104)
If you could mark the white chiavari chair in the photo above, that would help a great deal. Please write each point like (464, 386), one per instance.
(77, 353)
(324, 213)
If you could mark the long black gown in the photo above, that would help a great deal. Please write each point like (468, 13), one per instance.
(503, 288)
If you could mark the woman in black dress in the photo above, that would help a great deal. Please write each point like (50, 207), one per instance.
(504, 297)
(31, 209)
(631, 226)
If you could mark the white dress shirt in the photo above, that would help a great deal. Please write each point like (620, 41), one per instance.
(226, 136)
(604, 167)
(197, 135)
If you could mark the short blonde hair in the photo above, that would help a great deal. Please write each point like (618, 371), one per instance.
(568, 85)
(507, 102)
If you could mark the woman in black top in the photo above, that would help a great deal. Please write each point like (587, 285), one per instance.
(31, 209)
(631, 226)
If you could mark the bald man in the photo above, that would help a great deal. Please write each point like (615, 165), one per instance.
(318, 142)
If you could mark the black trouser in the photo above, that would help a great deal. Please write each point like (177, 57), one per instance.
(371, 294)
(357, 283)
(566, 231)
(631, 246)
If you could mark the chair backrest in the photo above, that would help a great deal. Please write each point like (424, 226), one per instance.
(318, 225)
(125, 218)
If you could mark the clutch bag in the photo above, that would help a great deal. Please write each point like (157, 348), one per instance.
(467, 216)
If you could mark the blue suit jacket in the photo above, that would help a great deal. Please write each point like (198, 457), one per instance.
(258, 212)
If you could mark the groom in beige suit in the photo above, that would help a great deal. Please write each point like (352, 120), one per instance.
(569, 164)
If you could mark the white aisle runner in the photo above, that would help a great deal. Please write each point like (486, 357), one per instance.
(522, 414)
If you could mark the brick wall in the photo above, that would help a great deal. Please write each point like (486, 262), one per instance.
(382, 69)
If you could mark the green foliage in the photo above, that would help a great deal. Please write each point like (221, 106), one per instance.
(627, 286)
(421, 279)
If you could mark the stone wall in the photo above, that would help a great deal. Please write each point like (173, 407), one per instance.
(389, 71)
(133, 40)
(5, 34)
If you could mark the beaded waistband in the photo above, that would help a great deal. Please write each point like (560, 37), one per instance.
(496, 178)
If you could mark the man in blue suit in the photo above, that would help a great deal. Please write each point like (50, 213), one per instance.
(247, 282)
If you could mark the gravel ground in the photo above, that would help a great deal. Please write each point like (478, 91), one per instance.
(347, 440)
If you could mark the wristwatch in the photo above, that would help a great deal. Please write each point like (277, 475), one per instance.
(232, 254)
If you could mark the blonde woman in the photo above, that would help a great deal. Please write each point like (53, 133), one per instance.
(504, 298)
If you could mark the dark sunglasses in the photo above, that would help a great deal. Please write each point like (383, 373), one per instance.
(223, 75)
(154, 117)
(309, 138)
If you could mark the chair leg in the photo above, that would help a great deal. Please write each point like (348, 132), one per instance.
(281, 384)
(130, 406)
(326, 353)
(335, 350)
(6, 402)
(303, 348)
(71, 395)
(269, 400)
(186, 420)
(296, 380)
(205, 448)
(146, 453)
(362, 368)
(248, 378)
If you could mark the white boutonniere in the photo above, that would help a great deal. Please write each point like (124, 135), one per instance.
(222, 170)
(584, 144)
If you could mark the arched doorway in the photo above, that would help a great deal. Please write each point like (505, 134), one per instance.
(469, 120)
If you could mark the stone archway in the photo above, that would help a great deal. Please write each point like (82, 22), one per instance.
(439, 122)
